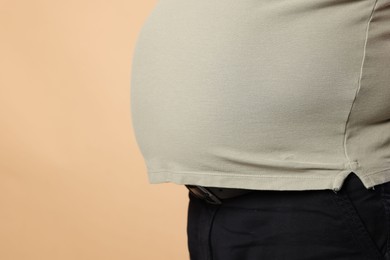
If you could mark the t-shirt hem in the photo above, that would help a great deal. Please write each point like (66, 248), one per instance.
(297, 181)
(290, 181)
(375, 178)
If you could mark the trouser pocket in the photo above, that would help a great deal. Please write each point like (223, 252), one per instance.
(366, 215)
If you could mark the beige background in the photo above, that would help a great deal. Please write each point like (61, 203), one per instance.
(73, 183)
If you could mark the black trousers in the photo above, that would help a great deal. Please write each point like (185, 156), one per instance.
(352, 224)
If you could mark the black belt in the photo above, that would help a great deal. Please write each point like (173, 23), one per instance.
(215, 195)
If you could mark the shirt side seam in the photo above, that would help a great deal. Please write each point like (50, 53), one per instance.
(352, 166)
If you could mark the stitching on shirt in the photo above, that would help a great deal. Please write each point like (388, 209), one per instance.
(288, 163)
(360, 78)
(388, 169)
(242, 175)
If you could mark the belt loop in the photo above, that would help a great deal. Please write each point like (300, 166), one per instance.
(204, 194)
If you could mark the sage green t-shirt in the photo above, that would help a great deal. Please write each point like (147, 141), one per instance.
(267, 95)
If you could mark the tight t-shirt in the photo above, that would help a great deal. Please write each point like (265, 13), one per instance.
(267, 95)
